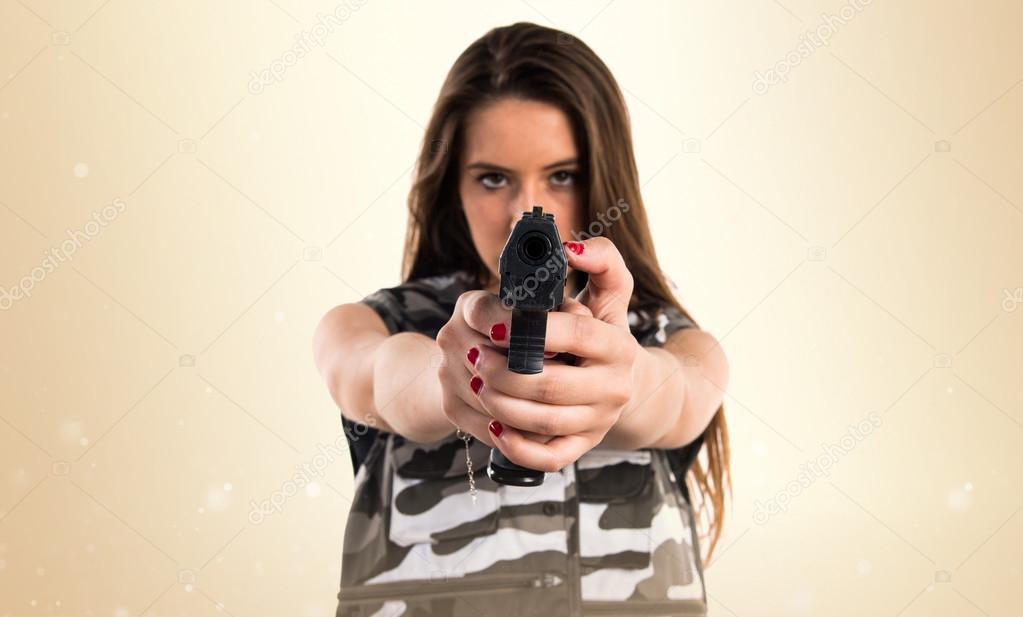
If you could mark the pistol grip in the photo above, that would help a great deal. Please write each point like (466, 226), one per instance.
(525, 347)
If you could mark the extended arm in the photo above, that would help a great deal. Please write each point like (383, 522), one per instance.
(388, 382)
(678, 387)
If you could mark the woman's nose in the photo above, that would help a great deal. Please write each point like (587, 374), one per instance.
(523, 202)
(515, 212)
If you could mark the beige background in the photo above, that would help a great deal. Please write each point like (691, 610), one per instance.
(851, 235)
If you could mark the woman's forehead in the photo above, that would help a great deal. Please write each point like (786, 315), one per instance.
(518, 134)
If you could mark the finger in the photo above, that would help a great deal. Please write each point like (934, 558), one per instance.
(558, 384)
(585, 336)
(575, 307)
(472, 396)
(537, 437)
(552, 456)
(570, 306)
(500, 332)
(459, 379)
(456, 338)
(468, 419)
(609, 283)
(533, 416)
(477, 424)
(472, 355)
(572, 329)
(484, 313)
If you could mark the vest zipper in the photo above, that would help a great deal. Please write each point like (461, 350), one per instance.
(471, 584)
(644, 608)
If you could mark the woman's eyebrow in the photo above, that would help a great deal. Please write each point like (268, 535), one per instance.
(486, 165)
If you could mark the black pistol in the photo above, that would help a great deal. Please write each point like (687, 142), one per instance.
(533, 276)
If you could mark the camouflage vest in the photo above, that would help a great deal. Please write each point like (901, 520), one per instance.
(611, 534)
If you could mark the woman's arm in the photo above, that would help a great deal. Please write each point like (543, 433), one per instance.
(388, 382)
(678, 388)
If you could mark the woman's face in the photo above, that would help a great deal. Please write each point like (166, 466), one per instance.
(517, 154)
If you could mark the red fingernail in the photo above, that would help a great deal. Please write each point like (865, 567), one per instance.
(575, 247)
(475, 383)
(498, 332)
(496, 428)
(472, 355)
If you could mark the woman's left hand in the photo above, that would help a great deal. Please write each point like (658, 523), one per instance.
(568, 408)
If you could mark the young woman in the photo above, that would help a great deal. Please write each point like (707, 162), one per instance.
(630, 393)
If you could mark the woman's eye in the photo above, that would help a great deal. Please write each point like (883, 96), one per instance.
(563, 178)
(492, 181)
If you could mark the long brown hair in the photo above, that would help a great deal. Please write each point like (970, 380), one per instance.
(533, 62)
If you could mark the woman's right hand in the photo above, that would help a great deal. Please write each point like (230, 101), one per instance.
(471, 326)
(456, 340)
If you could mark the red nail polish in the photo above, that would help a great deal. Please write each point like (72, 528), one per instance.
(575, 247)
(475, 383)
(496, 428)
(498, 332)
(473, 354)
